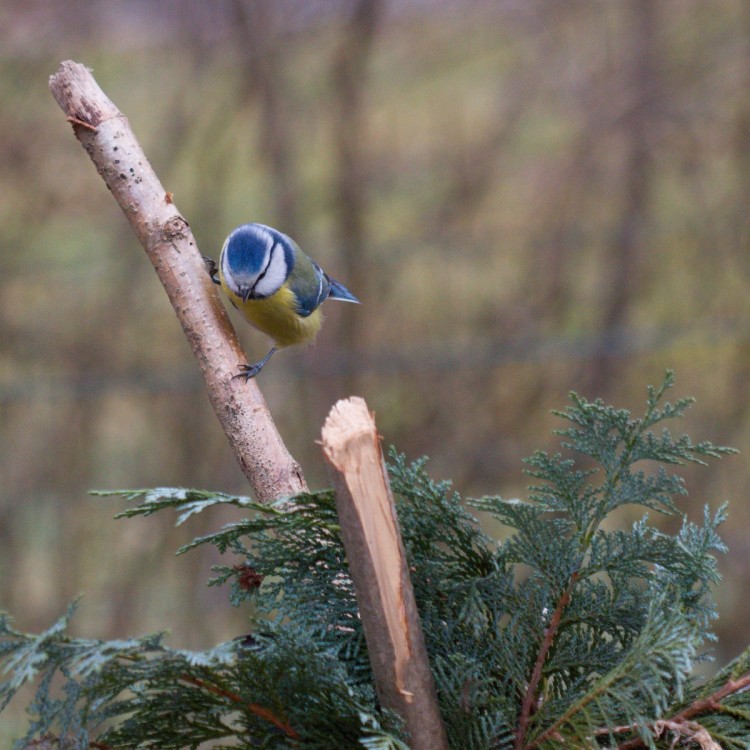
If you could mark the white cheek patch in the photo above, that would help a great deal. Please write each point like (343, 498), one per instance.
(274, 275)
(225, 270)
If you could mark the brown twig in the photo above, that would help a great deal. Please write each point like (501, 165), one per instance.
(530, 699)
(166, 237)
(48, 742)
(710, 703)
(260, 711)
(380, 574)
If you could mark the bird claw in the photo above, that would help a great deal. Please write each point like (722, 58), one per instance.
(213, 271)
(249, 371)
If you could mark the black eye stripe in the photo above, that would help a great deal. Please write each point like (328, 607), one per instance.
(265, 269)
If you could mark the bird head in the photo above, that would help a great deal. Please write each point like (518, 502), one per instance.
(256, 260)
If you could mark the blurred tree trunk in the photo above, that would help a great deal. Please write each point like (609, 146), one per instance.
(349, 138)
(735, 420)
(260, 47)
(637, 181)
(737, 416)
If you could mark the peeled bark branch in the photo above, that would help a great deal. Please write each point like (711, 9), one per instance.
(379, 571)
(166, 237)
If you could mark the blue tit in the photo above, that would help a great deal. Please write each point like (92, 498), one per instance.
(275, 286)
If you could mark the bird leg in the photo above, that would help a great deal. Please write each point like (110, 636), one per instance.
(250, 371)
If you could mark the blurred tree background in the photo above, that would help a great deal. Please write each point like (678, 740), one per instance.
(528, 196)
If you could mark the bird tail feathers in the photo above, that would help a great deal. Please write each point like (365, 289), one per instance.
(339, 291)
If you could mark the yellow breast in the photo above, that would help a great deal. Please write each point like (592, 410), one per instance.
(276, 316)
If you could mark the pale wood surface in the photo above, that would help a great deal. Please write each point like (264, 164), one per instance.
(379, 571)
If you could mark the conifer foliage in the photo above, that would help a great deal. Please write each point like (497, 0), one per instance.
(563, 634)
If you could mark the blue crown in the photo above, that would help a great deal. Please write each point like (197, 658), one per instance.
(249, 246)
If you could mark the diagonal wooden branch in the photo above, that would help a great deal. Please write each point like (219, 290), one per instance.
(166, 237)
(379, 571)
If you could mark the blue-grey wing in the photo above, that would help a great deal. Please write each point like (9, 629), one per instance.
(311, 287)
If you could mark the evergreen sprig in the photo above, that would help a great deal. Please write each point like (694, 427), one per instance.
(563, 634)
